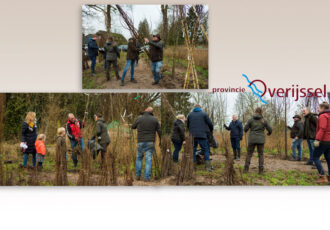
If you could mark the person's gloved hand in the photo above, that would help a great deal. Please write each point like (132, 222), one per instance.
(316, 144)
(268, 134)
(224, 125)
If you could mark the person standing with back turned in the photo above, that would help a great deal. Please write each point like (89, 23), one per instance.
(257, 138)
(147, 125)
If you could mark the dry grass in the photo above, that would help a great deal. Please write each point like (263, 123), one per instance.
(201, 56)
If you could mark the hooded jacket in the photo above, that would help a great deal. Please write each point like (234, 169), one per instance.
(40, 147)
(147, 125)
(257, 128)
(199, 123)
(29, 135)
(178, 132)
(102, 132)
(323, 127)
(297, 130)
(93, 49)
(236, 129)
(111, 51)
(310, 123)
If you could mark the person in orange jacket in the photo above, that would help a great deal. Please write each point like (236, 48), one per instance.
(40, 149)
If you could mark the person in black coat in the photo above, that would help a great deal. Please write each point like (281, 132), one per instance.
(199, 124)
(28, 138)
(178, 136)
(236, 134)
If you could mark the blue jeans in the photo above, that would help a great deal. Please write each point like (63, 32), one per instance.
(147, 149)
(129, 63)
(73, 145)
(93, 59)
(26, 157)
(204, 146)
(322, 149)
(235, 143)
(297, 144)
(311, 148)
(177, 147)
(155, 67)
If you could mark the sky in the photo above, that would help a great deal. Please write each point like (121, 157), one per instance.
(136, 12)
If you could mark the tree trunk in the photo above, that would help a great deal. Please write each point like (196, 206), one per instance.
(164, 9)
(108, 19)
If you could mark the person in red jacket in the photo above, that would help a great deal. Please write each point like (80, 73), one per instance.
(322, 141)
(73, 131)
(40, 149)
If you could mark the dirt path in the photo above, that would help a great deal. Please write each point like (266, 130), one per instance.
(144, 78)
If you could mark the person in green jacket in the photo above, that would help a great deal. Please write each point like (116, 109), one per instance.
(257, 138)
(102, 134)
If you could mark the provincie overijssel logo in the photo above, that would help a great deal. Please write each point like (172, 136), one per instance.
(260, 89)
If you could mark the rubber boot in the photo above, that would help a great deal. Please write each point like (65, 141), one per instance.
(195, 166)
(122, 83)
(238, 154)
(75, 163)
(261, 169)
(208, 166)
(117, 77)
(133, 80)
(235, 154)
(323, 179)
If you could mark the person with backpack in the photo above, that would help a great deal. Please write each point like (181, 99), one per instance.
(102, 135)
(93, 50)
(236, 134)
(132, 53)
(111, 55)
(322, 142)
(178, 136)
(310, 122)
(297, 134)
(147, 126)
(73, 131)
(199, 125)
(28, 138)
(257, 126)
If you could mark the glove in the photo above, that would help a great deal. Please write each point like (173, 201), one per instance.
(268, 134)
(316, 144)
(241, 138)
(224, 125)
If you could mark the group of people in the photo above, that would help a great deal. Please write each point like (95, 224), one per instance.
(315, 130)
(111, 54)
(34, 144)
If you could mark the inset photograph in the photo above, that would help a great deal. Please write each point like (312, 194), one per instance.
(145, 47)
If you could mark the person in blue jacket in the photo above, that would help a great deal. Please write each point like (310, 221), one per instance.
(236, 135)
(93, 51)
(199, 124)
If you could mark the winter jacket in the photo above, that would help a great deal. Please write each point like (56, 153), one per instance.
(93, 49)
(156, 51)
(29, 135)
(111, 51)
(297, 130)
(132, 50)
(73, 129)
(40, 147)
(147, 125)
(178, 132)
(102, 132)
(310, 126)
(323, 127)
(257, 128)
(199, 123)
(236, 129)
